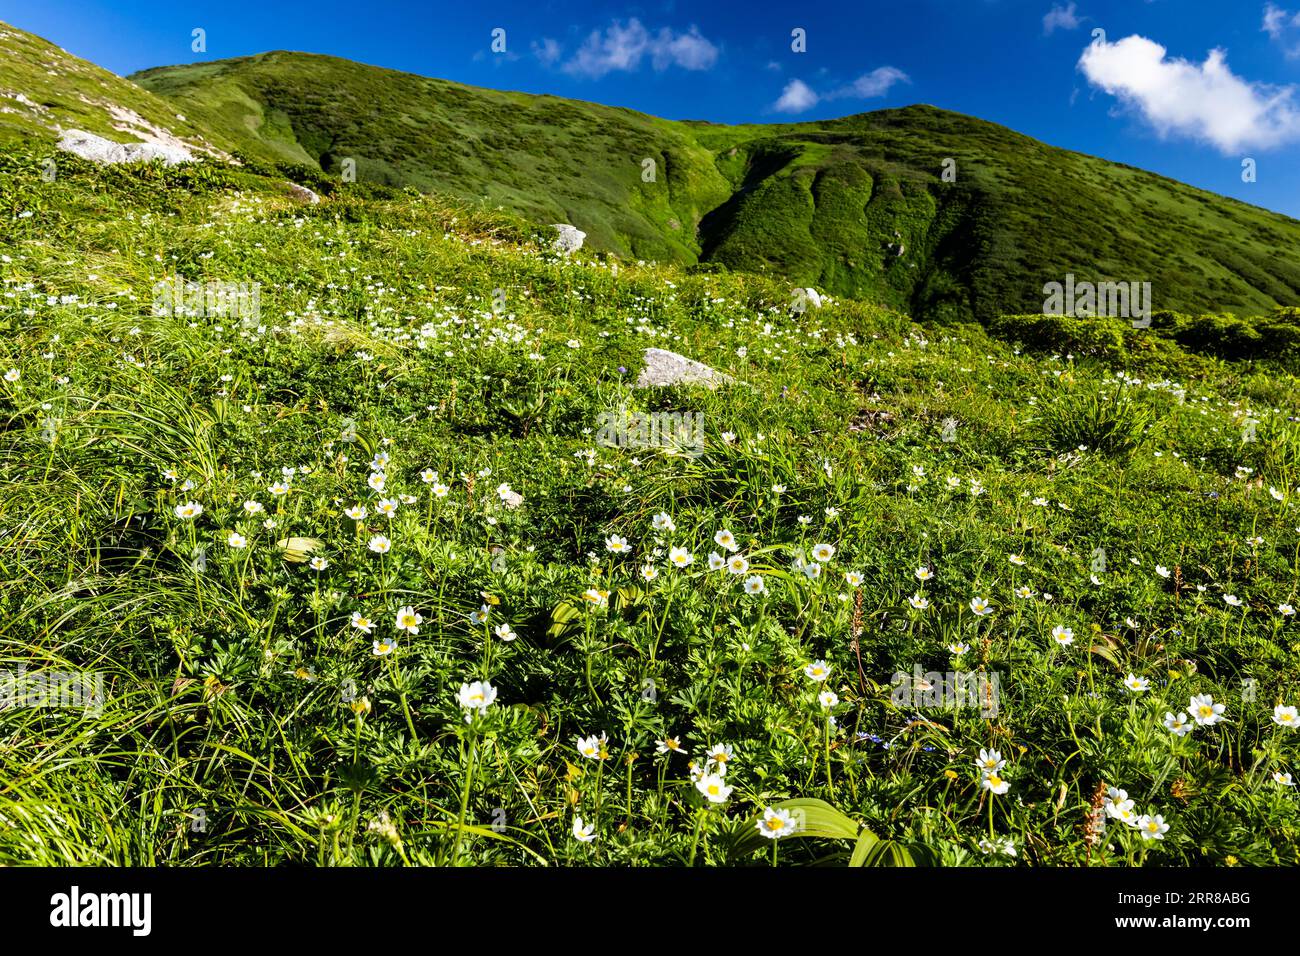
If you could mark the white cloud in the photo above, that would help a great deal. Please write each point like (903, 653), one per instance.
(1205, 101)
(1061, 18)
(548, 51)
(1276, 20)
(625, 46)
(1284, 27)
(797, 97)
(873, 84)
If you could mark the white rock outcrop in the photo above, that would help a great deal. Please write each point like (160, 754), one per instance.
(569, 239)
(668, 368)
(105, 151)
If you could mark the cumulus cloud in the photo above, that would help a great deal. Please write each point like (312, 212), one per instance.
(1061, 17)
(1205, 101)
(799, 97)
(625, 46)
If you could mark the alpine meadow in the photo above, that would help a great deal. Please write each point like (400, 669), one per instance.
(402, 472)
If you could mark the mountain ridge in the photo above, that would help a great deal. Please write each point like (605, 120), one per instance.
(858, 206)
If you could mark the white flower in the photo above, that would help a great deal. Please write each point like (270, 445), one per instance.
(995, 784)
(828, 699)
(754, 584)
(596, 596)
(380, 544)
(1117, 804)
(1232, 600)
(319, 563)
(1063, 635)
(812, 570)
(1162, 570)
(616, 545)
(386, 507)
(408, 619)
(957, 648)
(714, 788)
(989, 761)
(189, 510)
(919, 602)
(583, 832)
(663, 522)
(823, 552)
(477, 696)
(1178, 724)
(649, 572)
(1137, 684)
(1286, 717)
(817, 671)
(670, 745)
(236, 540)
(725, 539)
(853, 578)
(1205, 711)
(980, 606)
(362, 623)
(1282, 779)
(924, 574)
(377, 480)
(775, 824)
(278, 489)
(1286, 610)
(737, 564)
(384, 646)
(1017, 560)
(593, 747)
(716, 561)
(1152, 827)
(356, 512)
(680, 557)
(13, 375)
(505, 632)
(253, 507)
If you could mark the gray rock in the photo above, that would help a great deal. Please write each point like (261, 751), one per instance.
(303, 193)
(105, 151)
(569, 239)
(668, 368)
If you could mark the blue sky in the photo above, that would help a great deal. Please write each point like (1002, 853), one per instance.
(1186, 88)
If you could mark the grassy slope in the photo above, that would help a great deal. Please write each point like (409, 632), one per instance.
(64, 91)
(822, 203)
(224, 685)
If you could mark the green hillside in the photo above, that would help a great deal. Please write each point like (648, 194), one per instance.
(830, 204)
(353, 571)
(44, 89)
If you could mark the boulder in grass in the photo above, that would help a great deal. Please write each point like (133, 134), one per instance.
(303, 194)
(668, 368)
(569, 239)
(97, 149)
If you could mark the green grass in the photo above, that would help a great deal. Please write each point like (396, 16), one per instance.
(247, 721)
